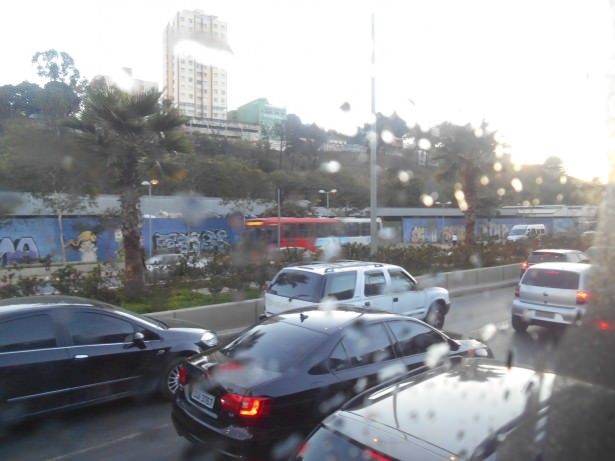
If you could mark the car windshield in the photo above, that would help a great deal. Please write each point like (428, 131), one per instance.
(297, 284)
(217, 163)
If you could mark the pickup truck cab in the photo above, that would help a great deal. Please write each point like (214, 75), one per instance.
(356, 283)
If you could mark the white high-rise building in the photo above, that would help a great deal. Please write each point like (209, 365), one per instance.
(196, 87)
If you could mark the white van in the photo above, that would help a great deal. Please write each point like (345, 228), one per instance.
(522, 231)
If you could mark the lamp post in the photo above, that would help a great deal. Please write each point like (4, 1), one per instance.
(442, 204)
(149, 184)
(327, 192)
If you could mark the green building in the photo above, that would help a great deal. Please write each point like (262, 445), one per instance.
(259, 112)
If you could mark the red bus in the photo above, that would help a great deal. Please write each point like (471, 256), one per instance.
(293, 232)
(309, 233)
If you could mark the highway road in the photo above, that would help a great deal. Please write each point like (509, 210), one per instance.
(133, 430)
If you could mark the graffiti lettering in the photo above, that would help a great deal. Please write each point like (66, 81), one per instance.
(208, 241)
(23, 251)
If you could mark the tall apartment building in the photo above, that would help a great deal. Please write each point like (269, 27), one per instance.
(197, 88)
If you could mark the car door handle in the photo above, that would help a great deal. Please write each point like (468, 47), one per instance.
(367, 303)
(81, 356)
(395, 300)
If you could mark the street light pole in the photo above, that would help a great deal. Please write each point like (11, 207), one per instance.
(149, 184)
(442, 204)
(327, 192)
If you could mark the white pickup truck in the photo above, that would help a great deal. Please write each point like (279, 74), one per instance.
(356, 283)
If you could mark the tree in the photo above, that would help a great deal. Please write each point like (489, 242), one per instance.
(138, 134)
(465, 154)
(60, 96)
(19, 100)
(57, 66)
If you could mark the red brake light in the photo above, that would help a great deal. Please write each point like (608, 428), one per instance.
(517, 291)
(582, 297)
(604, 325)
(183, 377)
(374, 455)
(245, 406)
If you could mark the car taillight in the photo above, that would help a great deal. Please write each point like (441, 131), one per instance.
(582, 297)
(183, 377)
(604, 325)
(517, 289)
(245, 406)
(524, 265)
(373, 455)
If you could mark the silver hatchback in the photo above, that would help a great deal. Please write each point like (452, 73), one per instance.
(551, 294)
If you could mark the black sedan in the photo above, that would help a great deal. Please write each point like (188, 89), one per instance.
(61, 352)
(259, 395)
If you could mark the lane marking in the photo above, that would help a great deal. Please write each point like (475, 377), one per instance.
(112, 442)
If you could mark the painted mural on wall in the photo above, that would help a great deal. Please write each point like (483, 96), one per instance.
(441, 230)
(26, 240)
(87, 239)
(175, 236)
(22, 250)
(86, 245)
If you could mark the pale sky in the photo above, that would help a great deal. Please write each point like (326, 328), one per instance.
(534, 69)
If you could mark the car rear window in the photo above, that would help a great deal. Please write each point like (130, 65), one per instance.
(325, 444)
(297, 284)
(551, 278)
(262, 344)
(536, 258)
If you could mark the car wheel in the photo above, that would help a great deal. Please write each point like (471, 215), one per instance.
(435, 315)
(518, 324)
(169, 381)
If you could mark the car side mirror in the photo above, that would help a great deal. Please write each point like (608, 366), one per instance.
(138, 340)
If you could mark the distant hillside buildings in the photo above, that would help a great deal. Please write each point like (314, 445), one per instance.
(195, 79)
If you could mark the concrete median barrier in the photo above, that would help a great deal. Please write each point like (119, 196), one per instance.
(228, 319)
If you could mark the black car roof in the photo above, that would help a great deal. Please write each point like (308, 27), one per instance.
(479, 395)
(48, 301)
(330, 320)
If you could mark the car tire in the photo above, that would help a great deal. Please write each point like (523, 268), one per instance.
(169, 381)
(435, 315)
(518, 324)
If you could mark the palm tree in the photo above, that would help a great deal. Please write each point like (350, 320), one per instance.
(465, 154)
(138, 136)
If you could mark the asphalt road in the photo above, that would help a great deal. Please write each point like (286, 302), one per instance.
(130, 430)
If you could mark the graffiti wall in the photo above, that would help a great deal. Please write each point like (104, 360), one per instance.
(165, 235)
(28, 240)
(441, 230)
(87, 239)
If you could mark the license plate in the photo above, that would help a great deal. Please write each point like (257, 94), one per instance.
(546, 315)
(203, 398)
